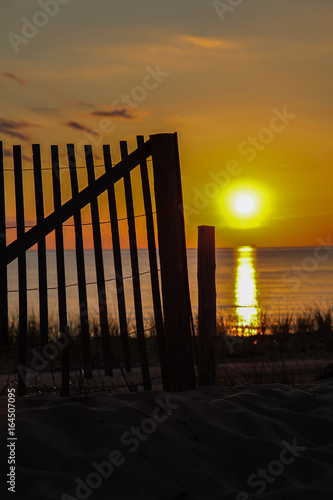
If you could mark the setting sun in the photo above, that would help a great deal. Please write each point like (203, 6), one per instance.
(245, 204)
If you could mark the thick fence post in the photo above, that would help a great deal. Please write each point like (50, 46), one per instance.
(207, 358)
(172, 250)
(3, 271)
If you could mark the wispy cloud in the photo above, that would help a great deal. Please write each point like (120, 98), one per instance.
(12, 77)
(13, 128)
(44, 109)
(123, 112)
(72, 102)
(207, 43)
(7, 152)
(79, 126)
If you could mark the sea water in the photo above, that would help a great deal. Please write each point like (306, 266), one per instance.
(249, 281)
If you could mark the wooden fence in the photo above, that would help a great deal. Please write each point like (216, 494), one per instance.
(172, 312)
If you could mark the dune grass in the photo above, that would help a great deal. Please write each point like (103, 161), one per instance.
(263, 357)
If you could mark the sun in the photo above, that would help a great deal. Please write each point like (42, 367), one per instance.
(245, 204)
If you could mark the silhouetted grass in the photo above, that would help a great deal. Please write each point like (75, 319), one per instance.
(280, 350)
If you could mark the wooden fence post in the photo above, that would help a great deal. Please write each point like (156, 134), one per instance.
(117, 260)
(61, 276)
(41, 249)
(99, 266)
(22, 271)
(3, 271)
(80, 267)
(155, 285)
(140, 330)
(207, 358)
(172, 251)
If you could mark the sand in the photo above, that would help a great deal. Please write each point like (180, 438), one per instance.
(212, 443)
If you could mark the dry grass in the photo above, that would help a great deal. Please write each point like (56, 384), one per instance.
(277, 352)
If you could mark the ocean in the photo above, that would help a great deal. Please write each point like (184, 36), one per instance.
(249, 281)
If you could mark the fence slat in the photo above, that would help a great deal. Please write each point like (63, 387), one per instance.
(207, 306)
(3, 271)
(41, 248)
(80, 267)
(172, 250)
(62, 303)
(135, 274)
(103, 311)
(22, 272)
(154, 268)
(117, 262)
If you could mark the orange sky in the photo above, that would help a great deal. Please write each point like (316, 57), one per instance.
(250, 96)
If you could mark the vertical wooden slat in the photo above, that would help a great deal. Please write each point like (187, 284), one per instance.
(41, 249)
(172, 250)
(153, 267)
(207, 306)
(135, 274)
(22, 270)
(61, 277)
(3, 270)
(117, 262)
(103, 311)
(80, 266)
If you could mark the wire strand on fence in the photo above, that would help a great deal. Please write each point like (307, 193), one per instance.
(29, 226)
(70, 285)
(45, 169)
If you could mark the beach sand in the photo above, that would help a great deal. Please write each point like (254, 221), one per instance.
(212, 443)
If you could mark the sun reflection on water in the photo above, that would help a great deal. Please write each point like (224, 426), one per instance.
(246, 293)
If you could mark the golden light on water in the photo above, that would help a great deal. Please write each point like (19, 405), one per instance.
(246, 293)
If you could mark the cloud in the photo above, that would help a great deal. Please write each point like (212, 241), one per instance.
(72, 102)
(124, 113)
(44, 109)
(7, 152)
(82, 128)
(207, 43)
(13, 128)
(12, 77)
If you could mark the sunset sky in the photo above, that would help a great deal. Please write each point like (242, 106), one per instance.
(249, 92)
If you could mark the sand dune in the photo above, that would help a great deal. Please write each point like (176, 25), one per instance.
(213, 443)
